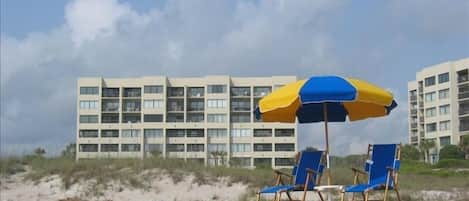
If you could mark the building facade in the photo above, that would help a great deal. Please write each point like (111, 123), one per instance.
(439, 105)
(207, 119)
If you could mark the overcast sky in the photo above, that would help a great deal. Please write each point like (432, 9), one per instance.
(47, 45)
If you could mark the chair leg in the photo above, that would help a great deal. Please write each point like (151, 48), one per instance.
(342, 196)
(366, 196)
(278, 197)
(353, 196)
(258, 196)
(289, 196)
(397, 193)
(363, 195)
(385, 194)
(320, 196)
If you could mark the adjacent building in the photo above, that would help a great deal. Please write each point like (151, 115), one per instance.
(439, 105)
(207, 119)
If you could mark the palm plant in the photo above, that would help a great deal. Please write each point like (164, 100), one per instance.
(425, 146)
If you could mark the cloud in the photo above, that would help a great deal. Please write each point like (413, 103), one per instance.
(182, 38)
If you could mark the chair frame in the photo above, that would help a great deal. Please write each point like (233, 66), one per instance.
(393, 175)
(309, 176)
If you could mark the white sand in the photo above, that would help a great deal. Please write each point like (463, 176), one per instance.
(161, 189)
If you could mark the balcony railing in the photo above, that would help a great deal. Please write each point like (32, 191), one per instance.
(463, 95)
(463, 111)
(463, 78)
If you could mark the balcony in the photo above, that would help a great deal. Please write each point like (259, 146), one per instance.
(413, 98)
(195, 105)
(262, 91)
(414, 139)
(463, 76)
(241, 105)
(131, 106)
(241, 91)
(175, 118)
(176, 92)
(195, 117)
(175, 105)
(132, 92)
(109, 118)
(413, 125)
(131, 118)
(413, 112)
(241, 117)
(196, 92)
(110, 105)
(110, 92)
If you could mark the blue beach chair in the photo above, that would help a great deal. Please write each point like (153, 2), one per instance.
(381, 169)
(305, 176)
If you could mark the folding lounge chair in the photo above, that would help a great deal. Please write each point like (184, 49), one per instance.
(305, 176)
(382, 170)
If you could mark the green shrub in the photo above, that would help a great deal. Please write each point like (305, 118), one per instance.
(410, 152)
(453, 163)
(451, 152)
(11, 166)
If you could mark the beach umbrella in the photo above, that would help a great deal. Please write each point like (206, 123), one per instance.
(325, 99)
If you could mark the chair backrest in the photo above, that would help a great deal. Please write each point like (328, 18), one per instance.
(311, 160)
(383, 156)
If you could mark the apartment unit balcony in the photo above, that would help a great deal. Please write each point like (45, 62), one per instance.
(132, 92)
(175, 118)
(244, 117)
(110, 105)
(414, 139)
(195, 92)
(176, 92)
(131, 118)
(110, 118)
(131, 106)
(175, 105)
(463, 76)
(463, 108)
(195, 105)
(413, 98)
(413, 112)
(262, 91)
(240, 91)
(413, 126)
(195, 117)
(464, 124)
(110, 92)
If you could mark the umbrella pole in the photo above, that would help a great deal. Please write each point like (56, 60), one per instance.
(326, 130)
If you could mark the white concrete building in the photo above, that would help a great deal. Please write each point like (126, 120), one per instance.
(207, 119)
(439, 105)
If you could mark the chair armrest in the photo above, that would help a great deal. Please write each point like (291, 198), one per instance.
(359, 171)
(391, 169)
(278, 172)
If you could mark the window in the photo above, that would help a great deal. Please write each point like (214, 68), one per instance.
(110, 118)
(195, 147)
(216, 103)
(263, 162)
(241, 117)
(196, 92)
(285, 147)
(443, 94)
(130, 133)
(153, 89)
(241, 132)
(175, 105)
(175, 147)
(110, 92)
(89, 91)
(284, 161)
(153, 118)
(88, 105)
(175, 118)
(153, 133)
(262, 91)
(153, 104)
(109, 133)
(430, 81)
(110, 105)
(445, 125)
(88, 133)
(431, 127)
(88, 119)
(284, 132)
(130, 147)
(132, 92)
(241, 104)
(88, 148)
(216, 132)
(445, 141)
(216, 89)
(442, 78)
(262, 132)
(240, 147)
(444, 110)
(430, 97)
(216, 118)
(240, 91)
(109, 147)
(263, 147)
(176, 133)
(430, 112)
(195, 132)
(216, 148)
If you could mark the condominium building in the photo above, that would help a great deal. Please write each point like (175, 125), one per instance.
(439, 105)
(206, 119)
